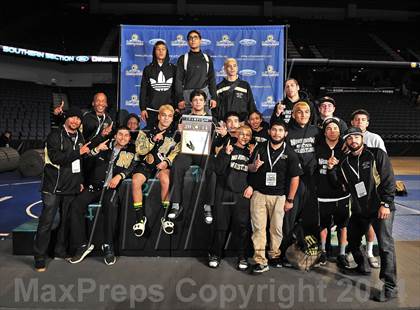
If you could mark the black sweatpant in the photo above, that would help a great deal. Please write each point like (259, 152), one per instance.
(305, 210)
(180, 166)
(53, 203)
(110, 208)
(232, 214)
(78, 211)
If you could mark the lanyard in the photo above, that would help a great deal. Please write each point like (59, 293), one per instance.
(357, 173)
(75, 140)
(278, 157)
(100, 124)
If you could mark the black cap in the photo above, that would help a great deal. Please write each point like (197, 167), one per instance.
(74, 111)
(330, 120)
(326, 99)
(352, 131)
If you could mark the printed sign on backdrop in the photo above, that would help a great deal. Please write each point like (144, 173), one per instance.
(259, 51)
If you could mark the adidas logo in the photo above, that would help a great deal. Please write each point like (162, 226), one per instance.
(162, 84)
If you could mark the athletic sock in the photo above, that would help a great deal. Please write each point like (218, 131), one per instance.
(369, 248)
(323, 245)
(165, 204)
(138, 206)
(175, 205)
(207, 207)
(343, 249)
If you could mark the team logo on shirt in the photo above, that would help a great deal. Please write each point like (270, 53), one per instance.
(270, 41)
(247, 42)
(134, 41)
(162, 84)
(225, 42)
(134, 71)
(247, 72)
(134, 101)
(179, 41)
(153, 41)
(366, 165)
(270, 71)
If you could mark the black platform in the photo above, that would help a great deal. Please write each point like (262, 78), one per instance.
(190, 238)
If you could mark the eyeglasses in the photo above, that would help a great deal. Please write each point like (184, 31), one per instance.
(190, 38)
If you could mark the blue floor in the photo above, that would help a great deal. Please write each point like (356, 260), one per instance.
(17, 194)
(407, 217)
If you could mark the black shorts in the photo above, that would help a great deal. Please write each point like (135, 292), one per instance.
(146, 170)
(334, 213)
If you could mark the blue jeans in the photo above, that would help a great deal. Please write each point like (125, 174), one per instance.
(357, 227)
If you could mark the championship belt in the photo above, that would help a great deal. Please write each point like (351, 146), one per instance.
(149, 159)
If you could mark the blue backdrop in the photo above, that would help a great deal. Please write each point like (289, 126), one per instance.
(259, 51)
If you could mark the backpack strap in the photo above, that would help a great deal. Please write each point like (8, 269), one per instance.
(185, 61)
(206, 58)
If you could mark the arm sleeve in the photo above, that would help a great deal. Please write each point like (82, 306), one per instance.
(222, 163)
(212, 80)
(386, 186)
(56, 155)
(143, 144)
(144, 89)
(179, 79)
(251, 102)
(174, 152)
(294, 167)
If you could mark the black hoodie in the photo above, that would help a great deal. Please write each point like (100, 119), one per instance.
(157, 84)
(287, 113)
(303, 141)
(326, 186)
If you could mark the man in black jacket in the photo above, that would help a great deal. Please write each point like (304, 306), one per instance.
(113, 162)
(283, 109)
(195, 71)
(232, 199)
(62, 181)
(157, 84)
(302, 137)
(333, 200)
(368, 175)
(234, 94)
(97, 123)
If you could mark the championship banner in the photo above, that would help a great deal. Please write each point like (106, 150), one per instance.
(259, 51)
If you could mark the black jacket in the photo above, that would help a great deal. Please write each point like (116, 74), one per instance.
(123, 165)
(262, 135)
(232, 170)
(196, 76)
(92, 127)
(60, 153)
(303, 141)
(326, 186)
(377, 174)
(235, 96)
(157, 84)
(153, 153)
(287, 113)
